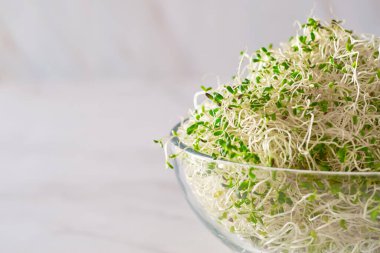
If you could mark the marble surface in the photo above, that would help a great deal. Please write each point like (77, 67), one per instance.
(80, 173)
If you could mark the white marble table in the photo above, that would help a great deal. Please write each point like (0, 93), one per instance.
(79, 171)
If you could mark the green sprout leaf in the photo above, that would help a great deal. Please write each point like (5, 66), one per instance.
(169, 165)
(281, 197)
(312, 36)
(324, 106)
(206, 89)
(230, 90)
(374, 215)
(302, 39)
(251, 174)
(349, 45)
(191, 129)
(342, 152)
(244, 185)
(343, 224)
(159, 142)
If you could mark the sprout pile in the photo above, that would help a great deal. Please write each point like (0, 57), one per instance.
(312, 105)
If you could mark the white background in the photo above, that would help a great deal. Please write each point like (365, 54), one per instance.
(85, 85)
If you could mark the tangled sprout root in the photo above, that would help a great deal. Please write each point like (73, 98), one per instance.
(312, 105)
(278, 211)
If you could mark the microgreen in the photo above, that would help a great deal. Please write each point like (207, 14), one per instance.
(342, 152)
(312, 104)
(159, 142)
(169, 165)
(349, 45)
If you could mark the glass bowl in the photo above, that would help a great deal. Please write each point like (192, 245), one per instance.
(263, 209)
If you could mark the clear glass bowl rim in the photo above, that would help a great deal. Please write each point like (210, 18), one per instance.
(177, 142)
